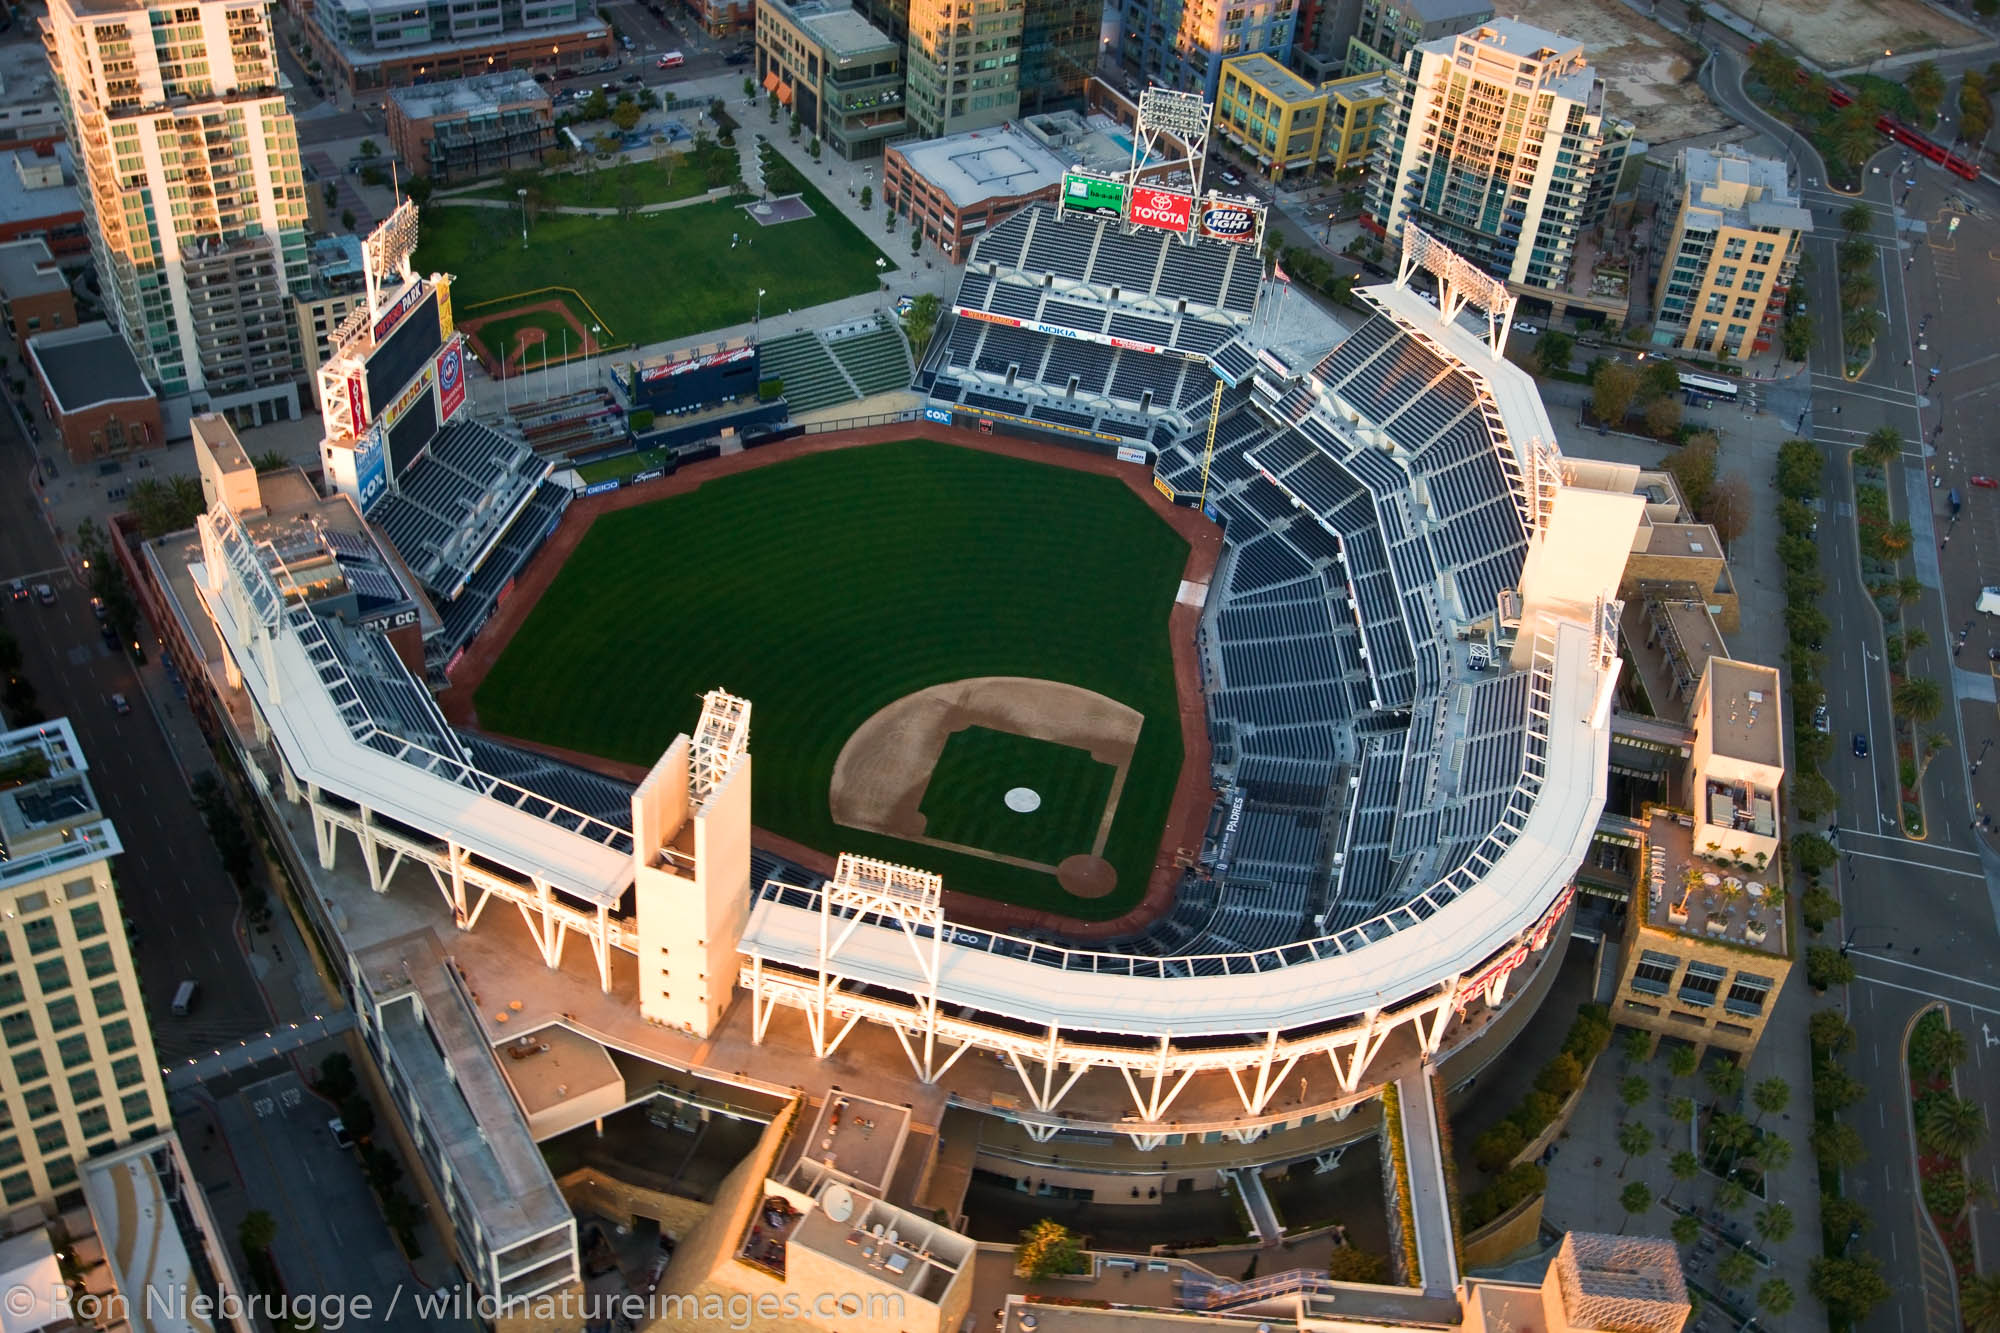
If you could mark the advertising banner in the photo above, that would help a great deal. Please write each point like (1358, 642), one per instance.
(371, 468)
(653, 474)
(693, 363)
(1160, 485)
(1127, 454)
(357, 407)
(1227, 220)
(1164, 209)
(601, 487)
(939, 414)
(403, 305)
(451, 380)
(1088, 194)
(447, 323)
(419, 386)
(986, 315)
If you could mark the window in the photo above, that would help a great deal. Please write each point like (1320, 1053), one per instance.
(89, 921)
(1733, 248)
(109, 999)
(62, 1171)
(40, 1101)
(51, 1136)
(19, 1188)
(1698, 987)
(41, 934)
(1725, 276)
(127, 1073)
(1747, 995)
(10, 1151)
(98, 962)
(10, 989)
(73, 1051)
(83, 1088)
(64, 1015)
(1654, 973)
(52, 975)
(18, 1028)
(118, 1036)
(136, 1108)
(95, 1123)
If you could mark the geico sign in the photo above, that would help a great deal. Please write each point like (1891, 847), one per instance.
(1161, 208)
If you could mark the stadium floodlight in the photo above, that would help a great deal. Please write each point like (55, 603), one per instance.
(1460, 283)
(1180, 122)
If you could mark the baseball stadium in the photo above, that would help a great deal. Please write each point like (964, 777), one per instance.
(1188, 727)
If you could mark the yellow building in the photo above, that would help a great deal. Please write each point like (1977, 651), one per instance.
(1286, 124)
(1729, 266)
(81, 1076)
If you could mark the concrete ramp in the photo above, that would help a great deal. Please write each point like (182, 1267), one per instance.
(1430, 1201)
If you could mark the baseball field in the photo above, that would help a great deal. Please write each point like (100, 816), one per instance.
(956, 660)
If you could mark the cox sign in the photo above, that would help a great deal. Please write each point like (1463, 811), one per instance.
(371, 473)
(1228, 222)
(1160, 208)
(942, 414)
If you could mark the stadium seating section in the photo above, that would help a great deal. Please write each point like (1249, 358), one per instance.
(825, 367)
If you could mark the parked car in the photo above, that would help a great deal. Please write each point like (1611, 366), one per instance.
(737, 58)
(1860, 745)
(1821, 722)
(338, 1128)
(632, 79)
(1522, 327)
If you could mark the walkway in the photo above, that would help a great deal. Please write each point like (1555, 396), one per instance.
(256, 1050)
(1430, 1201)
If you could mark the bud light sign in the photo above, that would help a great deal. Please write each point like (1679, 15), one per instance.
(1163, 209)
(1228, 222)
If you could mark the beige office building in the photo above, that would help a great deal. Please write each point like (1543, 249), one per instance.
(1735, 245)
(80, 1075)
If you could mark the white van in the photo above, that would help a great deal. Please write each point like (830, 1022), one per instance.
(184, 998)
(672, 60)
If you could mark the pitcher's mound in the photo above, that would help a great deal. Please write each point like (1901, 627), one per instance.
(1086, 876)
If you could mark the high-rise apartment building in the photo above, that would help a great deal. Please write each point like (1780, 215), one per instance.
(1182, 43)
(191, 189)
(964, 64)
(79, 1074)
(1500, 147)
(1388, 29)
(1058, 53)
(1735, 246)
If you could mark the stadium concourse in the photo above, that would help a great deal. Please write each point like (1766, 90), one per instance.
(1408, 649)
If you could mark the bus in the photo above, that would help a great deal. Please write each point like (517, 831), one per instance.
(1698, 387)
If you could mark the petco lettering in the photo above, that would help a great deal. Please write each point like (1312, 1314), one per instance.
(1161, 208)
(394, 314)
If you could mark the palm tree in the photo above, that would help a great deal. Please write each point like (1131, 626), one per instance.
(1896, 539)
(1857, 218)
(1634, 1140)
(1725, 1079)
(1681, 1109)
(1774, 1223)
(1914, 638)
(1951, 1126)
(1774, 1298)
(1635, 1198)
(1863, 326)
(1736, 1269)
(1686, 1230)
(1729, 1196)
(1683, 1166)
(1881, 446)
(1772, 1152)
(1918, 698)
(1638, 1046)
(1979, 1302)
(1770, 1096)
(1682, 1061)
(1730, 1133)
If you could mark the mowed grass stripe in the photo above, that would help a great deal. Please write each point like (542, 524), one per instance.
(827, 588)
(966, 803)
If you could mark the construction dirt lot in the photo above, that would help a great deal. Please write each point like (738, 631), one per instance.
(1847, 34)
(1648, 71)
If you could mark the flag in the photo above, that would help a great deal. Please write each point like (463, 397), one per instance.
(1278, 272)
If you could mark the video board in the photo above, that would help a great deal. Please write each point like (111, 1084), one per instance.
(407, 349)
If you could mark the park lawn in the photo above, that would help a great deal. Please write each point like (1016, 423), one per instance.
(965, 801)
(828, 587)
(649, 181)
(657, 277)
(623, 466)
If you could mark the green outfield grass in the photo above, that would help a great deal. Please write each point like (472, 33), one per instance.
(828, 587)
(655, 277)
(965, 802)
(498, 335)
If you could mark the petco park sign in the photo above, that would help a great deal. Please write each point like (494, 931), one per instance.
(1163, 209)
(730, 357)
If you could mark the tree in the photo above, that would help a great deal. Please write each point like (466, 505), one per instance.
(369, 149)
(1843, 1216)
(336, 1077)
(1638, 1046)
(1729, 1132)
(867, 197)
(1635, 1198)
(795, 127)
(1881, 447)
(164, 507)
(1553, 352)
(1729, 507)
(1858, 218)
(1683, 1166)
(1659, 378)
(1813, 853)
(1770, 1096)
(256, 1232)
(1635, 1139)
(1632, 1089)
(1834, 1089)
(1686, 1230)
(1862, 326)
(1848, 1287)
(1796, 335)
(1724, 1078)
(813, 148)
(1682, 1062)
(916, 240)
(1837, 1145)
(1736, 1269)
(1918, 698)
(749, 86)
(347, 219)
(1693, 468)
(1826, 967)
(1613, 389)
(1936, 1048)
(626, 116)
(1925, 85)
(1772, 1152)
(1048, 1249)
(1774, 1223)
(1681, 1109)
(1979, 1302)
(920, 322)
(1950, 1126)
(1775, 1297)
(1830, 1032)
(1351, 1264)
(1730, 1196)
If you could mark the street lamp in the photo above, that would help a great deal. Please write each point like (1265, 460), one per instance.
(522, 194)
(757, 326)
(1848, 943)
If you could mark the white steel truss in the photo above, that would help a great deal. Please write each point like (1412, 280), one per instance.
(721, 736)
